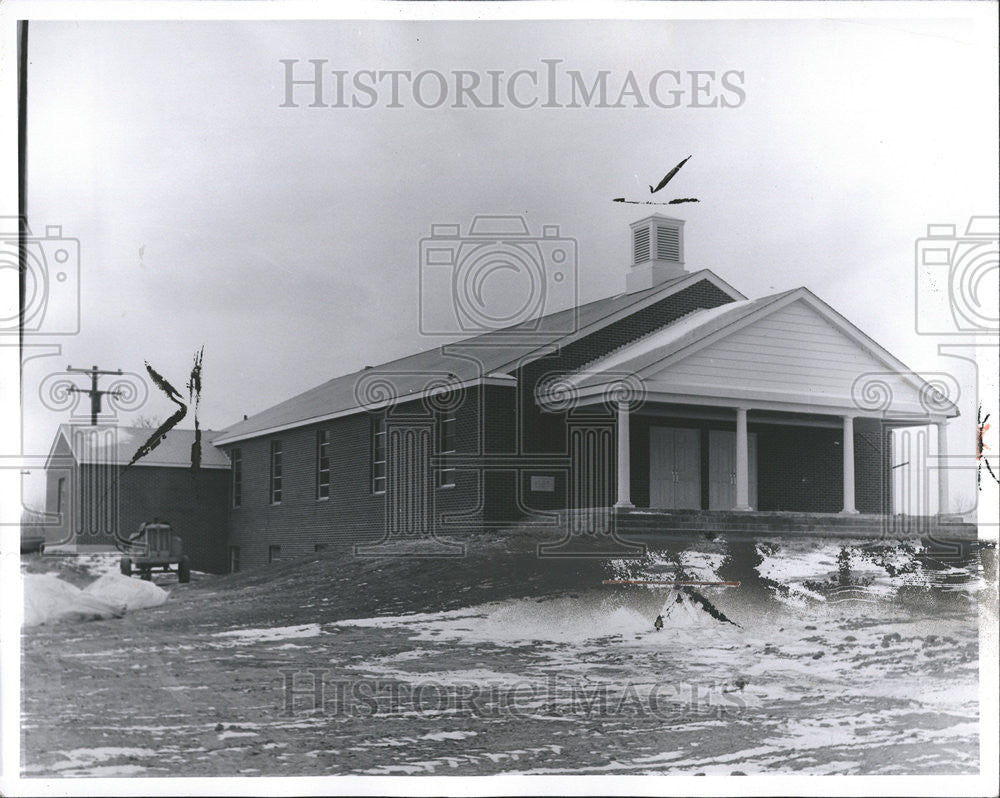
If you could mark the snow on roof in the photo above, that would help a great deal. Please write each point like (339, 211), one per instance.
(673, 337)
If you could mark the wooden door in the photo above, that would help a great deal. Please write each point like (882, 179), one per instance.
(687, 467)
(661, 467)
(674, 468)
(721, 470)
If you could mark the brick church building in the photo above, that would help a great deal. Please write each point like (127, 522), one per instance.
(680, 395)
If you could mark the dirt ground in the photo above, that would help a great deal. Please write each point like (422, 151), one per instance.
(500, 662)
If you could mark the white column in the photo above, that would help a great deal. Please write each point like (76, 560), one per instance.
(848, 447)
(624, 460)
(742, 461)
(942, 469)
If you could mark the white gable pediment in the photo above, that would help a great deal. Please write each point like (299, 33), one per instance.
(799, 352)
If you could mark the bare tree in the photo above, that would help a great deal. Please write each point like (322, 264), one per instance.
(147, 422)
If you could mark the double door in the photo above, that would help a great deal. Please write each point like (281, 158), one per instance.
(675, 469)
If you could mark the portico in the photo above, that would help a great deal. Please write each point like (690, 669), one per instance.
(772, 405)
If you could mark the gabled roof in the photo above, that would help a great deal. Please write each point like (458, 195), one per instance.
(483, 359)
(660, 349)
(174, 451)
(660, 344)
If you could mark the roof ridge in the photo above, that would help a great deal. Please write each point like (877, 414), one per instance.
(642, 337)
(492, 351)
(500, 330)
(724, 306)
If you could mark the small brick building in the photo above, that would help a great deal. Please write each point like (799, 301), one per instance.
(679, 394)
(92, 496)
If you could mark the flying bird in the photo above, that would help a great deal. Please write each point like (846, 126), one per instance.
(669, 176)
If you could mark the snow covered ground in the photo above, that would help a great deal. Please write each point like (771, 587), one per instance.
(835, 658)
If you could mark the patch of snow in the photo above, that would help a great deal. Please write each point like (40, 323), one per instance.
(100, 563)
(86, 758)
(133, 594)
(227, 734)
(246, 636)
(448, 735)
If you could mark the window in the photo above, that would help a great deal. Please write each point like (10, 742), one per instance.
(60, 497)
(273, 554)
(234, 559)
(378, 454)
(236, 458)
(446, 445)
(318, 547)
(323, 464)
(275, 472)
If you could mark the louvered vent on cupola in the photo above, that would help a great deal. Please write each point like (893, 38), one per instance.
(668, 243)
(640, 245)
(657, 252)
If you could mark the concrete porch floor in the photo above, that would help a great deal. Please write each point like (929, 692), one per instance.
(642, 521)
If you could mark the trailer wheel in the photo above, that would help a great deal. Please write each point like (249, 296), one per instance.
(126, 566)
(147, 574)
(184, 571)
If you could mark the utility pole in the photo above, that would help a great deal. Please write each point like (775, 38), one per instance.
(95, 395)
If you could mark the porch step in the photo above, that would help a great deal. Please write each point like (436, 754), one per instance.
(683, 523)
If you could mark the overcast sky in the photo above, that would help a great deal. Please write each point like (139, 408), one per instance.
(286, 240)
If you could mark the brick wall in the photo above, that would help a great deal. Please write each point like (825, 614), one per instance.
(489, 421)
(196, 508)
(800, 468)
(301, 521)
(872, 467)
(351, 513)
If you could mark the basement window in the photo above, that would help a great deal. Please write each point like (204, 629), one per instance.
(273, 554)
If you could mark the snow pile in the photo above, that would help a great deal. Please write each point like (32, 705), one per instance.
(133, 594)
(48, 599)
(562, 619)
